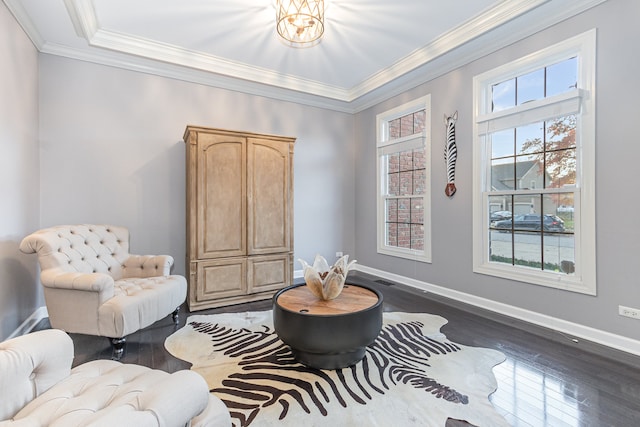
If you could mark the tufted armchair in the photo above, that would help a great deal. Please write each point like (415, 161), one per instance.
(92, 285)
(39, 388)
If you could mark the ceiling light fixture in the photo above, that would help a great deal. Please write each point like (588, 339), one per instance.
(300, 22)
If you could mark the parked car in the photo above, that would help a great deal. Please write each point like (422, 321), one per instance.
(531, 222)
(499, 215)
(563, 208)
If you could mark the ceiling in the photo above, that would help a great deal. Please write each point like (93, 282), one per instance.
(371, 49)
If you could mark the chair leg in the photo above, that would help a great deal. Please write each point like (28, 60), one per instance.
(175, 316)
(118, 347)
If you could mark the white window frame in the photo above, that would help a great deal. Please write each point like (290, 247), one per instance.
(581, 100)
(385, 147)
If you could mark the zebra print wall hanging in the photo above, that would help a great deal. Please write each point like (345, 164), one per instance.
(451, 153)
(411, 376)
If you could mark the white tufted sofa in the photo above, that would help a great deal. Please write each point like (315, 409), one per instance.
(39, 388)
(92, 285)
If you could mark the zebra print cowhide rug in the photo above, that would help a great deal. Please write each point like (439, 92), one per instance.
(411, 375)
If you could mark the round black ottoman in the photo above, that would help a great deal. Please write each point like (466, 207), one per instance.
(328, 334)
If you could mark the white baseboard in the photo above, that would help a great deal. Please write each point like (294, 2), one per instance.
(28, 325)
(608, 339)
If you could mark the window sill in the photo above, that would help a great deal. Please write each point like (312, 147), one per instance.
(420, 256)
(549, 279)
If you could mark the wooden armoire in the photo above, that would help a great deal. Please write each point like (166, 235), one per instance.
(239, 216)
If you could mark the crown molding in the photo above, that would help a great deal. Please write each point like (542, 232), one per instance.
(467, 31)
(482, 45)
(497, 27)
(83, 17)
(18, 11)
(172, 54)
(177, 72)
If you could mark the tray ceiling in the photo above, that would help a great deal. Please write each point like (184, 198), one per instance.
(371, 49)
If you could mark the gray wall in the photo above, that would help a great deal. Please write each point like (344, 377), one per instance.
(618, 152)
(19, 186)
(112, 152)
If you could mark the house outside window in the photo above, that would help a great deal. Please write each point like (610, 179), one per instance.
(403, 181)
(534, 168)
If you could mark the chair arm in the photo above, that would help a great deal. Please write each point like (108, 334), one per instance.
(93, 282)
(177, 398)
(30, 365)
(147, 266)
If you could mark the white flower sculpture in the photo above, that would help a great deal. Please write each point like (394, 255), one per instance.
(323, 281)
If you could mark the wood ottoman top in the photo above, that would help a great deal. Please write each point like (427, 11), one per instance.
(352, 299)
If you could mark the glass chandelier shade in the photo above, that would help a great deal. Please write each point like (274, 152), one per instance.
(300, 22)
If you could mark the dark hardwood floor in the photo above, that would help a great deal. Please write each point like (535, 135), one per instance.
(548, 379)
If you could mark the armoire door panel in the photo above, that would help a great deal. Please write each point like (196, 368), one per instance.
(269, 272)
(222, 198)
(221, 278)
(268, 190)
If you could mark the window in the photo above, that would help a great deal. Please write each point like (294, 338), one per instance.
(404, 172)
(534, 167)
